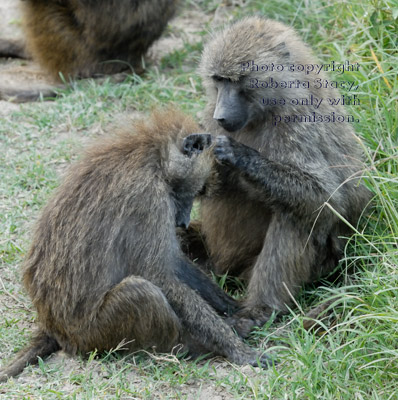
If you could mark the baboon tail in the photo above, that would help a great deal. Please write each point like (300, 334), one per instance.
(41, 345)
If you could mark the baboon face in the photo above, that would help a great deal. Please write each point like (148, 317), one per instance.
(188, 169)
(238, 68)
(232, 111)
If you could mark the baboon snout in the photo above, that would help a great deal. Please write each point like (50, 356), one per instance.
(231, 119)
(196, 143)
(183, 217)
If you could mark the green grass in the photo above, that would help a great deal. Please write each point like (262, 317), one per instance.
(353, 356)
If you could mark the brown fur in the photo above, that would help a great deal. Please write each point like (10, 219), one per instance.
(80, 38)
(86, 38)
(267, 220)
(105, 264)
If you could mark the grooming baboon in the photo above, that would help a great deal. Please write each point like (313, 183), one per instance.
(105, 264)
(86, 38)
(268, 220)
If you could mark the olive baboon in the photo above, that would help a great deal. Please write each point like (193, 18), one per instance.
(86, 38)
(105, 264)
(268, 220)
(80, 38)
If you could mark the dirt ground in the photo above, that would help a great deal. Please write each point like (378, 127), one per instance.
(184, 27)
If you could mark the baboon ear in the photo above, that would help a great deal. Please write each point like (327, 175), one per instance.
(281, 50)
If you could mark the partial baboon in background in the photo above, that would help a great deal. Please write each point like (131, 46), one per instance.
(12, 48)
(86, 38)
(81, 38)
(105, 264)
(268, 220)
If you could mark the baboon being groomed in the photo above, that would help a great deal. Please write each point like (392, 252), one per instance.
(282, 154)
(81, 38)
(105, 265)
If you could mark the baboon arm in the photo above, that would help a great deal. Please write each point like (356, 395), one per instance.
(280, 184)
(207, 289)
(207, 329)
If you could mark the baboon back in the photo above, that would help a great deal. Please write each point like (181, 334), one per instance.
(83, 37)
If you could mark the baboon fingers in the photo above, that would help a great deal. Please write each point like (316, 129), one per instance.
(196, 143)
(223, 151)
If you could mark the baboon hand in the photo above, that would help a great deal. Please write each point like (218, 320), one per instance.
(230, 152)
(224, 151)
(196, 143)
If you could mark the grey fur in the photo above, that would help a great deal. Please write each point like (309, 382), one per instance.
(267, 220)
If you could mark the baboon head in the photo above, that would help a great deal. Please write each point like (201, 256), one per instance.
(240, 66)
(187, 168)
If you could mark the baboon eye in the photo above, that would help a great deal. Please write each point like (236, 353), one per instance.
(218, 78)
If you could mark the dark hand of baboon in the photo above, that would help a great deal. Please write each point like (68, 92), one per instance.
(196, 143)
(266, 219)
(230, 152)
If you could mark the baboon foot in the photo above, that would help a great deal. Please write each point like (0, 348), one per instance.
(254, 358)
(242, 326)
(244, 321)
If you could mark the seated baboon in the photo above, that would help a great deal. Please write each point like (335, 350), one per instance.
(81, 38)
(105, 264)
(86, 38)
(268, 220)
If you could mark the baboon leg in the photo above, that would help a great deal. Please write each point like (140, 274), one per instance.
(12, 48)
(197, 280)
(134, 311)
(282, 267)
(207, 330)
